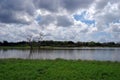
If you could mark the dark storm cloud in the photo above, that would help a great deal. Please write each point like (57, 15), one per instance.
(9, 9)
(12, 10)
(64, 21)
(50, 5)
(73, 5)
(46, 20)
(9, 17)
(102, 3)
(17, 5)
(69, 5)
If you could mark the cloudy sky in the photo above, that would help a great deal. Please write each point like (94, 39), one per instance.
(73, 20)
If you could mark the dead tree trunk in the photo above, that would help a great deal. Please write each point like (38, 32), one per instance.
(40, 38)
(29, 39)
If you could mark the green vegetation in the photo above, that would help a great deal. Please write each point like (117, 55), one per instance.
(36, 48)
(58, 44)
(53, 45)
(17, 69)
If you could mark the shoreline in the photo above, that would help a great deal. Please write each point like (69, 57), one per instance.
(59, 59)
(58, 48)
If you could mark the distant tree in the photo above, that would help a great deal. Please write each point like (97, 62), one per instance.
(5, 43)
(92, 43)
(0, 43)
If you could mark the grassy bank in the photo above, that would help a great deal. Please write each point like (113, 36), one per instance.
(13, 69)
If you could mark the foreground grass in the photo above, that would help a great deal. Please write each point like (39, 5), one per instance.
(16, 69)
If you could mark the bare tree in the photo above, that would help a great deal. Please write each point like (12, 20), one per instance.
(30, 40)
(40, 38)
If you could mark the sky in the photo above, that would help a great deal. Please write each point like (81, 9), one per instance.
(61, 20)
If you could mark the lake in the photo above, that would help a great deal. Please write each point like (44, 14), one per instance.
(84, 53)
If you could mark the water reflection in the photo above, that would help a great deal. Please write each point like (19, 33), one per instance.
(106, 54)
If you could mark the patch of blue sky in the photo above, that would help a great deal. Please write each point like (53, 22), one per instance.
(80, 17)
(38, 19)
(98, 34)
(116, 21)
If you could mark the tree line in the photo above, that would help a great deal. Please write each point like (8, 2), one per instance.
(59, 44)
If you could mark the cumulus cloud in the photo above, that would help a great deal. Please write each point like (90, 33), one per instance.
(46, 20)
(73, 5)
(100, 4)
(77, 20)
(64, 21)
(12, 11)
(50, 5)
(109, 14)
(114, 31)
(115, 27)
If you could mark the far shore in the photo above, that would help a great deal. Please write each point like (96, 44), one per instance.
(56, 48)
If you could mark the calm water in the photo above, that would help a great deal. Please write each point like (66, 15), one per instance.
(102, 54)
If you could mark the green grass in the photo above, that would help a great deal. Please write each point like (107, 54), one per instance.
(17, 69)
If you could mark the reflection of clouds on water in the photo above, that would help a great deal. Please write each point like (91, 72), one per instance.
(83, 54)
(11, 53)
(51, 54)
(116, 56)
